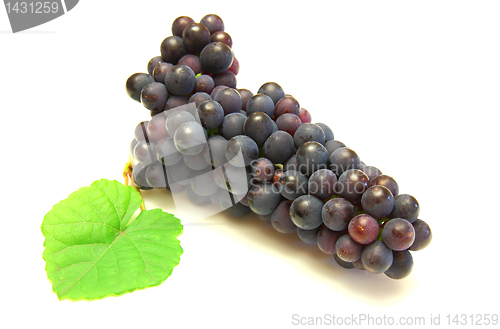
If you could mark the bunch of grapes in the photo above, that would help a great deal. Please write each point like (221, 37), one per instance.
(260, 153)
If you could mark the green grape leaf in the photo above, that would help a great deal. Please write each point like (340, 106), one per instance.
(94, 249)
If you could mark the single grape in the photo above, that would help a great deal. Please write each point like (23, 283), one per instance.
(363, 229)
(423, 235)
(327, 239)
(371, 171)
(235, 66)
(145, 152)
(229, 99)
(305, 212)
(224, 37)
(180, 174)
(311, 156)
(309, 236)
(273, 90)
(155, 175)
(195, 37)
(140, 132)
(262, 170)
(175, 120)
(226, 78)
(153, 62)
(216, 57)
(204, 83)
(213, 23)
(192, 61)
(328, 132)
(260, 103)
(280, 218)
(377, 201)
(139, 176)
(167, 152)
(305, 116)
(232, 125)
(343, 159)
(347, 249)
(398, 234)
(402, 265)
(180, 80)
(308, 132)
(333, 145)
(135, 83)
(156, 128)
(377, 257)
(337, 213)
(172, 49)
(287, 104)
(405, 206)
(154, 96)
(199, 98)
(289, 122)
(342, 263)
(245, 97)
(216, 90)
(215, 152)
(195, 162)
(237, 179)
(259, 127)
(176, 101)
(190, 138)
(279, 147)
(352, 184)
(386, 181)
(263, 198)
(160, 72)
(179, 24)
(321, 184)
(211, 114)
(241, 150)
(202, 182)
(292, 184)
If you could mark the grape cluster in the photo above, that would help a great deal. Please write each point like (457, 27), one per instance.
(260, 153)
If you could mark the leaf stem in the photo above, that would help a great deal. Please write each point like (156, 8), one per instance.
(127, 175)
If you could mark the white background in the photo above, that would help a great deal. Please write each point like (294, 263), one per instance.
(412, 87)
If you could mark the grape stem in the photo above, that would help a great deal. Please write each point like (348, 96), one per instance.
(127, 175)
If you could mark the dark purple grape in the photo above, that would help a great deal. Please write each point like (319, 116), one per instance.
(232, 125)
(153, 62)
(145, 152)
(213, 23)
(221, 36)
(386, 181)
(289, 122)
(229, 99)
(190, 138)
(167, 152)
(241, 150)
(292, 184)
(308, 132)
(322, 184)
(172, 49)
(352, 184)
(179, 24)
(192, 61)
(333, 145)
(306, 212)
(363, 229)
(377, 257)
(402, 265)
(235, 66)
(263, 198)
(277, 174)
(258, 126)
(211, 114)
(260, 103)
(262, 170)
(358, 264)
(311, 156)
(160, 72)
(216, 90)
(398, 234)
(216, 57)
(273, 90)
(215, 152)
(176, 101)
(423, 235)
(371, 172)
(156, 128)
(195, 37)
(199, 98)
(139, 177)
(135, 83)
(327, 239)
(343, 159)
(309, 236)
(154, 96)
(245, 97)
(291, 164)
(287, 104)
(226, 78)
(180, 80)
(155, 175)
(347, 249)
(328, 132)
(337, 213)
(279, 147)
(204, 83)
(377, 201)
(405, 206)
(342, 263)
(280, 218)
